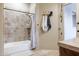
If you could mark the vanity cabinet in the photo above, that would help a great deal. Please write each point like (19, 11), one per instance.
(68, 48)
(67, 52)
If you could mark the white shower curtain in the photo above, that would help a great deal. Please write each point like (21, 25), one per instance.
(34, 36)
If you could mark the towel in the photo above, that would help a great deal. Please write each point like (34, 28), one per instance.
(44, 23)
(48, 22)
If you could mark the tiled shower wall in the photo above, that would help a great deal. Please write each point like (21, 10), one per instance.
(16, 25)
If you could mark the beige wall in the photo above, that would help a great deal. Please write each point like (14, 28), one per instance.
(25, 7)
(49, 39)
(17, 6)
(1, 30)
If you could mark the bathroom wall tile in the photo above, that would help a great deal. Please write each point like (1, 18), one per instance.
(16, 24)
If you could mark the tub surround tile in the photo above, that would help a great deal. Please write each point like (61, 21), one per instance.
(16, 24)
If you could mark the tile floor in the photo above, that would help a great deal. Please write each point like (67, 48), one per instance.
(45, 53)
(36, 53)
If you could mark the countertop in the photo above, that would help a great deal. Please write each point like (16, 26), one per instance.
(72, 45)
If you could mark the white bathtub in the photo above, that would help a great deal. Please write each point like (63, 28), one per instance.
(15, 47)
(22, 48)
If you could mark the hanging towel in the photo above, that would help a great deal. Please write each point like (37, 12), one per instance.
(48, 23)
(48, 20)
(44, 23)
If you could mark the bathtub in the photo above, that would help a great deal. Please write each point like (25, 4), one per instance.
(16, 47)
(23, 48)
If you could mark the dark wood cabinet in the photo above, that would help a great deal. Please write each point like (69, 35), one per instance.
(67, 52)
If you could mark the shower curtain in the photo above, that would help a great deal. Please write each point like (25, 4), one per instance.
(34, 35)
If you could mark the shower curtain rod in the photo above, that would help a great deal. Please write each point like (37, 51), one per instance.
(19, 11)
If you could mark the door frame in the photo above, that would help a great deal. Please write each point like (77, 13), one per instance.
(61, 22)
